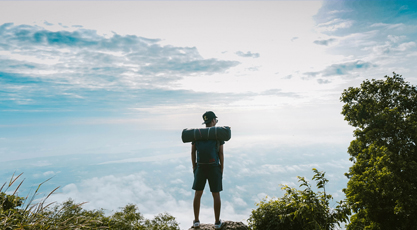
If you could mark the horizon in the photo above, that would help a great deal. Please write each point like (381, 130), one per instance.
(96, 94)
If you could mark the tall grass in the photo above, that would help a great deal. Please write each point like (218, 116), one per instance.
(31, 213)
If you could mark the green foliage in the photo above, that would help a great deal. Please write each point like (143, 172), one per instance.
(20, 213)
(9, 212)
(299, 209)
(162, 222)
(127, 219)
(382, 183)
(71, 215)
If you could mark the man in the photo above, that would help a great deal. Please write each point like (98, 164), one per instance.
(208, 164)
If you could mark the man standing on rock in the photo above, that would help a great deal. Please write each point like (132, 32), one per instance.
(208, 164)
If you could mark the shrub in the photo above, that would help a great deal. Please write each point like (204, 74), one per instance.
(300, 209)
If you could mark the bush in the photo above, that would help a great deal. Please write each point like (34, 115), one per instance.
(300, 209)
(20, 213)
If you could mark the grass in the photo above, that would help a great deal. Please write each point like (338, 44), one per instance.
(30, 213)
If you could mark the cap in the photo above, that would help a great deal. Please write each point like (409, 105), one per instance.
(208, 117)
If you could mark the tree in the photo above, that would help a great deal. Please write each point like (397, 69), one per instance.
(299, 209)
(162, 221)
(382, 180)
(127, 219)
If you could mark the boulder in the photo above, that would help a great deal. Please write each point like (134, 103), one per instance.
(227, 225)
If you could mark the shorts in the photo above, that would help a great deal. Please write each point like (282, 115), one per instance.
(212, 173)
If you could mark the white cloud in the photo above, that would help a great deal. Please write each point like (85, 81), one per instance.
(78, 64)
(259, 197)
(406, 46)
(247, 54)
(341, 69)
(389, 48)
(49, 173)
(239, 202)
(389, 26)
(240, 188)
(147, 159)
(335, 24)
(325, 42)
(358, 40)
(177, 181)
(339, 11)
(272, 168)
(382, 49)
(181, 167)
(112, 192)
(395, 38)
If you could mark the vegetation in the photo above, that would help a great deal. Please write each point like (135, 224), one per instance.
(20, 213)
(382, 183)
(300, 209)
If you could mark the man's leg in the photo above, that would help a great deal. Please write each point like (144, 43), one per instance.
(196, 204)
(217, 205)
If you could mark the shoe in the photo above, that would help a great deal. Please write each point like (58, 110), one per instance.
(218, 225)
(196, 224)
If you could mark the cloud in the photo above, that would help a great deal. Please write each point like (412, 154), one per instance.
(341, 69)
(324, 42)
(165, 185)
(404, 7)
(272, 168)
(143, 56)
(335, 24)
(339, 11)
(405, 46)
(82, 66)
(390, 48)
(253, 68)
(22, 92)
(239, 202)
(312, 74)
(49, 173)
(323, 81)
(279, 93)
(112, 192)
(247, 54)
(389, 26)
(396, 39)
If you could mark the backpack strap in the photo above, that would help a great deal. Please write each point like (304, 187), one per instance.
(194, 134)
(208, 133)
(215, 132)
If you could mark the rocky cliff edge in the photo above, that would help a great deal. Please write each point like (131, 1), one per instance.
(227, 225)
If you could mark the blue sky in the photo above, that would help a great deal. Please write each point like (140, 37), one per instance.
(96, 94)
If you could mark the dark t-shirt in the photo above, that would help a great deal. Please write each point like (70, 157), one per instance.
(207, 151)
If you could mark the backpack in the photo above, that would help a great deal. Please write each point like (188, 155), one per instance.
(208, 152)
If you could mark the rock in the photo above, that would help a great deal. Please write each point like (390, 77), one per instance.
(227, 225)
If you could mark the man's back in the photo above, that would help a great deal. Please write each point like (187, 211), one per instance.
(208, 152)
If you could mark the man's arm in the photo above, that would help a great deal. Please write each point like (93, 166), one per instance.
(221, 157)
(193, 156)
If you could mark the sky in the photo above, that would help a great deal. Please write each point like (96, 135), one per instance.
(95, 94)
